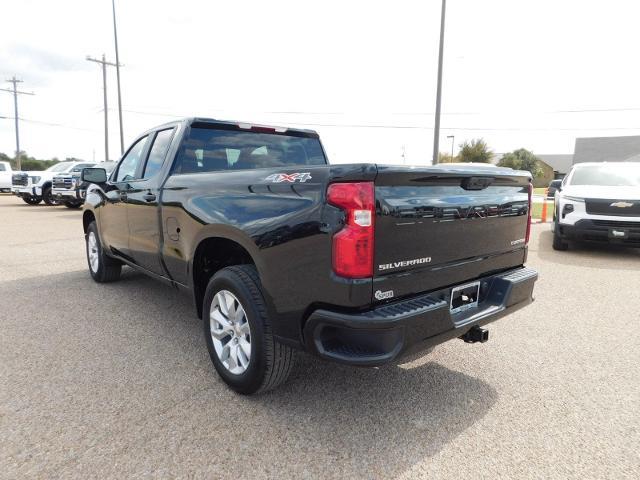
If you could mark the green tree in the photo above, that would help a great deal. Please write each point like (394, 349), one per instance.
(522, 159)
(446, 158)
(27, 162)
(476, 150)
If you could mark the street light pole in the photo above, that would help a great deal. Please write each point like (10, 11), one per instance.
(115, 37)
(453, 139)
(436, 130)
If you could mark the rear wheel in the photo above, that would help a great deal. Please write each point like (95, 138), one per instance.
(32, 200)
(238, 333)
(101, 267)
(48, 197)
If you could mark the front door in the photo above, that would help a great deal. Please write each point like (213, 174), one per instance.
(114, 224)
(142, 206)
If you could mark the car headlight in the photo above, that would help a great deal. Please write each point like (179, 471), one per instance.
(573, 199)
(34, 179)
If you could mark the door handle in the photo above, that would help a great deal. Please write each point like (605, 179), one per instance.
(149, 197)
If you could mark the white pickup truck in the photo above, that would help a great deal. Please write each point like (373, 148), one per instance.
(35, 186)
(5, 177)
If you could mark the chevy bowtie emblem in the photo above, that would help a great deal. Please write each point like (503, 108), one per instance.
(621, 204)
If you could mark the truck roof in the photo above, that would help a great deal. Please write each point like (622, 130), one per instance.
(241, 125)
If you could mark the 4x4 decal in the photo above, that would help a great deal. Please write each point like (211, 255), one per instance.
(288, 177)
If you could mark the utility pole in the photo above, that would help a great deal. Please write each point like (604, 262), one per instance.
(115, 37)
(436, 130)
(104, 64)
(16, 92)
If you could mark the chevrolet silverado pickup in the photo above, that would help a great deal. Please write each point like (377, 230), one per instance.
(359, 264)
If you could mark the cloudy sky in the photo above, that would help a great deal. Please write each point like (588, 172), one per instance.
(519, 73)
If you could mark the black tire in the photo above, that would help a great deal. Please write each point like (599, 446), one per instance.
(108, 269)
(72, 204)
(48, 197)
(558, 243)
(270, 361)
(31, 200)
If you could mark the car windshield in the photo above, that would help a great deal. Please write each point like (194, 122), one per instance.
(607, 175)
(59, 167)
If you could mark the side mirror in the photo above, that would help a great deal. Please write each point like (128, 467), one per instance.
(94, 175)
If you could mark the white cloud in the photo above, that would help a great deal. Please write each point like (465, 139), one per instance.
(509, 68)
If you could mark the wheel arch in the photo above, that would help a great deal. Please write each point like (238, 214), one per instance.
(211, 255)
(87, 217)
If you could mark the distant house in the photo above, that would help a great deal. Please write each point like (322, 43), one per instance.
(607, 149)
(560, 163)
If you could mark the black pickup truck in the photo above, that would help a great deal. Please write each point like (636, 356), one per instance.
(359, 264)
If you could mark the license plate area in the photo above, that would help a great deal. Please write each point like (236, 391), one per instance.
(618, 233)
(464, 297)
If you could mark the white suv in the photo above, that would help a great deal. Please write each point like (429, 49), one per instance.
(598, 202)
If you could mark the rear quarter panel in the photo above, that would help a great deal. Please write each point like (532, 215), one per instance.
(285, 227)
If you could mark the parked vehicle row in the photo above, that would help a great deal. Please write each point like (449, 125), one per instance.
(69, 189)
(358, 264)
(37, 186)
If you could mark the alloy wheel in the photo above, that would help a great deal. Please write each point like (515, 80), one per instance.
(92, 251)
(230, 332)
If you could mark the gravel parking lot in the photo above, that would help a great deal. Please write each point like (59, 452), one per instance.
(114, 381)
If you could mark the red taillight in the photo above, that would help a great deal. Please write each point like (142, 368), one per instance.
(353, 245)
(526, 239)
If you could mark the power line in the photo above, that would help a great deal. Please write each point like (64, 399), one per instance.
(417, 127)
(51, 124)
(16, 92)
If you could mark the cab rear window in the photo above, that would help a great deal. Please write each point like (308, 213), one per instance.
(211, 150)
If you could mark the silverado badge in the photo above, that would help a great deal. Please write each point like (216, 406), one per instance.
(621, 204)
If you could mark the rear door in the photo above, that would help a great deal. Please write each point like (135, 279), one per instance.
(443, 226)
(142, 205)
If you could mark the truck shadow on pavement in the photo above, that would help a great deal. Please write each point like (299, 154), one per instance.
(588, 254)
(170, 407)
(376, 420)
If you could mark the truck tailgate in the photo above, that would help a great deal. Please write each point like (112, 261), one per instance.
(437, 226)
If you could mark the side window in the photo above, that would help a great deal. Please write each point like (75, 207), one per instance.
(158, 152)
(2, 167)
(129, 164)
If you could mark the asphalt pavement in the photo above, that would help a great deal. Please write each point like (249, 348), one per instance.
(114, 381)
